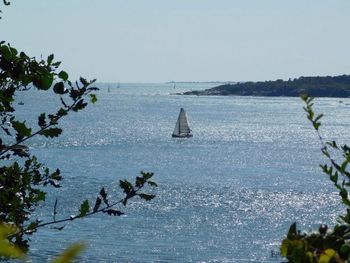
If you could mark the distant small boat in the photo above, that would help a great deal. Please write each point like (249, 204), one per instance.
(182, 129)
(21, 103)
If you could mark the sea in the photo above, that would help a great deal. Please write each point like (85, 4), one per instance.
(228, 194)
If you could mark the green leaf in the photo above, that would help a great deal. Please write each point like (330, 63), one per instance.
(318, 117)
(343, 193)
(51, 132)
(334, 178)
(56, 175)
(139, 182)
(292, 231)
(62, 112)
(327, 255)
(97, 204)
(5, 52)
(63, 75)
(40, 196)
(13, 51)
(333, 144)
(84, 81)
(23, 55)
(59, 227)
(54, 183)
(53, 119)
(316, 126)
(21, 128)
(151, 183)
(70, 253)
(343, 165)
(325, 152)
(93, 98)
(126, 186)
(56, 64)
(7, 249)
(346, 201)
(80, 105)
(113, 212)
(104, 195)
(43, 81)
(147, 197)
(146, 176)
(41, 120)
(309, 257)
(344, 248)
(84, 208)
(59, 88)
(50, 59)
(284, 247)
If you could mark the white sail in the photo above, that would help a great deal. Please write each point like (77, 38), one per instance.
(182, 128)
(177, 128)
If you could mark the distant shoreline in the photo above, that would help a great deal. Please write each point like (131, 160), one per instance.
(199, 82)
(337, 86)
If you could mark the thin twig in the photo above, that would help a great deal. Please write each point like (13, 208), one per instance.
(54, 210)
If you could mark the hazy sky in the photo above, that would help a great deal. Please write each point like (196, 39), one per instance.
(184, 40)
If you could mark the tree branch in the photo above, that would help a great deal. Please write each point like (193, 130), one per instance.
(41, 130)
(72, 218)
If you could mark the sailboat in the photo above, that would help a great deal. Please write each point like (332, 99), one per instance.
(182, 130)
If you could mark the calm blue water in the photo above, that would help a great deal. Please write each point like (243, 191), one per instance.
(229, 194)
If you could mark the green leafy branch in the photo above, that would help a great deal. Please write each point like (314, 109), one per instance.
(325, 245)
(102, 203)
(19, 194)
(337, 171)
(19, 72)
(47, 129)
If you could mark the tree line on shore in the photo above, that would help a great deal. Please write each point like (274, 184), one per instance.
(328, 86)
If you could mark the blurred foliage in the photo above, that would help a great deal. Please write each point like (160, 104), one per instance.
(70, 253)
(324, 245)
(10, 251)
(7, 249)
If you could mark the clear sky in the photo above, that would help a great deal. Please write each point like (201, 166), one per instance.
(184, 40)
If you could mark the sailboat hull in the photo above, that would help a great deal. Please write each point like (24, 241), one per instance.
(186, 135)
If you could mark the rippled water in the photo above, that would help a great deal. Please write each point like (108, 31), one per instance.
(229, 194)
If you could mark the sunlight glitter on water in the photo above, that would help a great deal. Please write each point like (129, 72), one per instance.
(228, 194)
